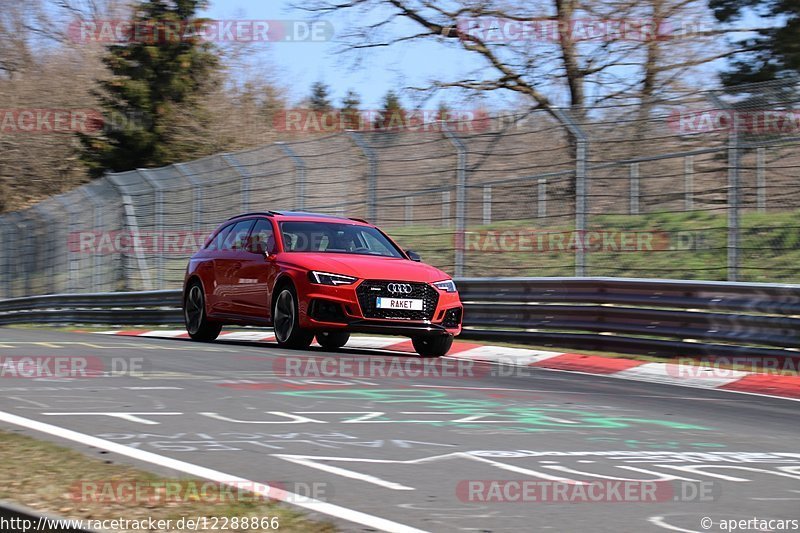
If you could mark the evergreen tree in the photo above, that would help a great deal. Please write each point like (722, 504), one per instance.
(350, 111)
(159, 80)
(774, 53)
(392, 115)
(320, 99)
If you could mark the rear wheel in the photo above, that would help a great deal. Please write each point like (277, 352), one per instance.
(286, 321)
(199, 327)
(332, 340)
(432, 345)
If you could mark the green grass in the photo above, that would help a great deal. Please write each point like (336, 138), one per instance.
(47, 478)
(686, 245)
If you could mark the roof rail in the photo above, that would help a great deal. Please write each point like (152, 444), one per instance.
(263, 213)
(360, 220)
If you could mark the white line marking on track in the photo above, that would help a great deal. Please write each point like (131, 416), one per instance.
(310, 504)
(660, 522)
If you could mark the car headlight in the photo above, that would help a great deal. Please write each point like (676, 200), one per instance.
(327, 278)
(447, 285)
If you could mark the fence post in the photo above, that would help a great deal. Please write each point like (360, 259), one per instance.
(761, 182)
(197, 196)
(5, 257)
(372, 175)
(487, 205)
(71, 235)
(300, 176)
(446, 208)
(98, 223)
(634, 175)
(132, 225)
(158, 208)
(688, 182)
(541, 199)
(733, 194)
(461, 197)
(581, 154)
(50, 266)
(231, 160)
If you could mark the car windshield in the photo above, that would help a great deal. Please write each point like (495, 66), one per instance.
(336, 237)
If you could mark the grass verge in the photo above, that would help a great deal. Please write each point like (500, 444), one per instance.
(49, 478)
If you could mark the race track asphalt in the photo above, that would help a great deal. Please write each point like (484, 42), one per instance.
(424, 451)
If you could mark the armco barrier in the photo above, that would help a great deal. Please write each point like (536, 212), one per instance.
(646, 316)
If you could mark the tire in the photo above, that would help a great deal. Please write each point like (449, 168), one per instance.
(432, 345)
(286, 320)
(198, 326)
(332, 340)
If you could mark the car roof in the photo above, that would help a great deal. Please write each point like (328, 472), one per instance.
(302, 215)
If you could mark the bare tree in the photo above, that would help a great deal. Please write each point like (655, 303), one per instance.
(561, 59)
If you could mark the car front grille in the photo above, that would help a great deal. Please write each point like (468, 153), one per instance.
(369, 290)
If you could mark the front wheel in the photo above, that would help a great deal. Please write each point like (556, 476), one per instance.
(286, 320)
(432, 345)
(198, 326)
(332, 340)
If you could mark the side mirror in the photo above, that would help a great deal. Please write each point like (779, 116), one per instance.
(414, 256)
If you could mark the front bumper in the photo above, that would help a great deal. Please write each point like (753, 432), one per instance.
(352, 316)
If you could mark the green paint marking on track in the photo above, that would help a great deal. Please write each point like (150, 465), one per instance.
(528, 418)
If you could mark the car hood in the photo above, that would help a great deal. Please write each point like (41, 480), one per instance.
(366, 267)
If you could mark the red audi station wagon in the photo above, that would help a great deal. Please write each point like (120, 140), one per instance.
(311, 275)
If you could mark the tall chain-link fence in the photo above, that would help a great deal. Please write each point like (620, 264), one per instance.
(697, 186)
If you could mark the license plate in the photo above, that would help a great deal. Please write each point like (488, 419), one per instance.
(399, 303)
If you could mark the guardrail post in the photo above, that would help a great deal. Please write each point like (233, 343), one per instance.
(581, 154)
(761, 182)
(461, 197)
(132, 224)
(688, 182)
(487, 205)
(158, 208)
(733, 194)
(372, 175)
(300, 176)
(231, 160)
(634, 174)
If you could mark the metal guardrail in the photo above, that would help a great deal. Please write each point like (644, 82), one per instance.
(645, 316)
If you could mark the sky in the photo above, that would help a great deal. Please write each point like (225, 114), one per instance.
(300, 64)
(296, 65)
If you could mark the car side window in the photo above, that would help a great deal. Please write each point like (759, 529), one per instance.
(219, 238)
(262, 238)
(235, 240)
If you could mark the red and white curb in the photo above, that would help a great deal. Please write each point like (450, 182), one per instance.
(704, 377)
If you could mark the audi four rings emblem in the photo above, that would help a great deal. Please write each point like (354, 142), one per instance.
(400, 288)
